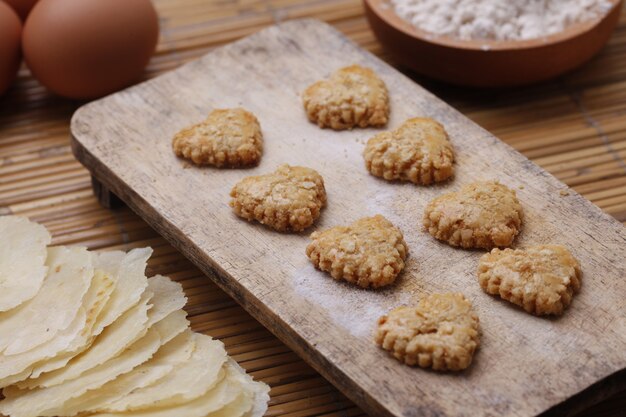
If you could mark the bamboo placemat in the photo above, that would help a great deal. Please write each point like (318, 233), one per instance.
(575, 127)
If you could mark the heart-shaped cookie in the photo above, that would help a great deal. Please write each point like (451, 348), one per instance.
(289, 199)
(227, 138)
(479, 215)
(370, 252)
(441, 333)
(352, 96)
(418, 151)
(541, 279)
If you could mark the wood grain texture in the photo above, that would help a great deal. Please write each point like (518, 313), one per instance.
(525, 364)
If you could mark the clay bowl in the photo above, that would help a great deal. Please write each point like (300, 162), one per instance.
(489, 63)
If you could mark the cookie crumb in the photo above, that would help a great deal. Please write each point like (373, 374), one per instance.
(564, 193)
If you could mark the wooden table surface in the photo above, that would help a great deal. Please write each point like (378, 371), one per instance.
(575, 127)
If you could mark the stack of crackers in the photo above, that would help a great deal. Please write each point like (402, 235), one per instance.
(86, 333)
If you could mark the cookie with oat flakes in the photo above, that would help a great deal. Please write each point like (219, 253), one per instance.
(226, 138)
(483, 214)
(288, 200)
(541, 279)
(369, 252)
(418, 151)
(353, 96)
(441, 333)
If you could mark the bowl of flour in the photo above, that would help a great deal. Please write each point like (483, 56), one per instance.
(493, 43)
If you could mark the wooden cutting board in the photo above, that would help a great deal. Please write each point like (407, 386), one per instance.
(525, 364)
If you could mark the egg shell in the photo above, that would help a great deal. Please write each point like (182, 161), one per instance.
(10, 49)
(21, 7)
(86, 49)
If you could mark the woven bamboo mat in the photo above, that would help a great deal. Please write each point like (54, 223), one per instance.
(575, 127)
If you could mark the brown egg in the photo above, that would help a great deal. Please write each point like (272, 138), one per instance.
(10, 49)
(22, 7)
(89, 48)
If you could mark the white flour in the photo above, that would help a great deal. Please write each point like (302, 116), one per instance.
(498, 19)
(355, 309)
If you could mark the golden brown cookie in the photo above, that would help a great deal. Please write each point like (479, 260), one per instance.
(441, 333)
(227, 138)
(479, 215)
(288, 199)
(418, 151)
(352, 96)
(370, 252)
(542, 279)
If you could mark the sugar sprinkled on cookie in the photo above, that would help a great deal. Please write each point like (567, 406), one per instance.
(441, 333)
(226, 138)
(353, 96)
(369, 252)
(418, 151)
(541, 279)
(289, 199)
(480, 215)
